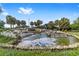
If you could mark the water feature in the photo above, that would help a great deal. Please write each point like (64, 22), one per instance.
(42, 40)
(38, 40)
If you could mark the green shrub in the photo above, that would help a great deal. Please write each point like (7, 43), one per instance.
(1, 30)
(4, 39)
(63, 41)
(38, 30)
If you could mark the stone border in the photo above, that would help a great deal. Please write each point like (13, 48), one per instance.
(3, 45)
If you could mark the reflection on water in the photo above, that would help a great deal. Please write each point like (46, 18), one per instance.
(41, 40)
(38, 40)
(36, 36)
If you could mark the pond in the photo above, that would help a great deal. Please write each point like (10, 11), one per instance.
(42, 40)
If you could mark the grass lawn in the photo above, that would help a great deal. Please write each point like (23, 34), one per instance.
(74, 33)
(14, 52)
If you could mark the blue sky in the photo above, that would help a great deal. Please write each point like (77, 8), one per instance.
(43, 11)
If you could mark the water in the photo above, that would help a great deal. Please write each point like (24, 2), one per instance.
(41, 40)
(36, 36)
(38, 40)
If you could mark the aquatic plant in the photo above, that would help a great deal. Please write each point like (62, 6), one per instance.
(63, 41)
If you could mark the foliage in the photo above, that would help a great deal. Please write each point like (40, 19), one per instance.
(37, 30)
(64, 23)
(50, 25)
(14, 52)
(4, 39)
(31, 23)
(38, 23)
(74, 26)
(31, 29)
(76, 21)
(18, 23)
(18, 39)
(63, 41)
(2, 24)
(11, 20)
(23, 23)
(57, 22)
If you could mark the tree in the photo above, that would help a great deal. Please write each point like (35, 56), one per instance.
(56, 22)
(11, 20)
(35, 23)
(31, 23)
(74, 26)
(45, 26)
(76, 21)
(18, 23)
(50, 25)
(64, 24)
(38, 23)
(23, 23)
(2, 24)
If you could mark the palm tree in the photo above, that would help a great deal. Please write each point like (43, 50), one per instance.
(18, 23)
(39, 22)
(57, 24)
(23, 23)
(50, 25)
(8, 20)
(31, 23)
(2, 24)
(64, 23)
(35, 23)
(11, 20)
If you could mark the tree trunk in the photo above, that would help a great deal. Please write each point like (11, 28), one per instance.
(10, 26)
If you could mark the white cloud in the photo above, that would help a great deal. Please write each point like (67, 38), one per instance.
(2, 7)
(5, 13)
(26, 11)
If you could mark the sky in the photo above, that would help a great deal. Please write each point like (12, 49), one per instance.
(43, 11)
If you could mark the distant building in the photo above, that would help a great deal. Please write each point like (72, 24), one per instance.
(8, 26)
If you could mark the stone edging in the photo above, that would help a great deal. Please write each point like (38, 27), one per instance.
(56, 47)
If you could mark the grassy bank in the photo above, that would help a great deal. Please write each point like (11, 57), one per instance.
(14, 52)
(4, 39)
(62, 41)
(76, 34)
